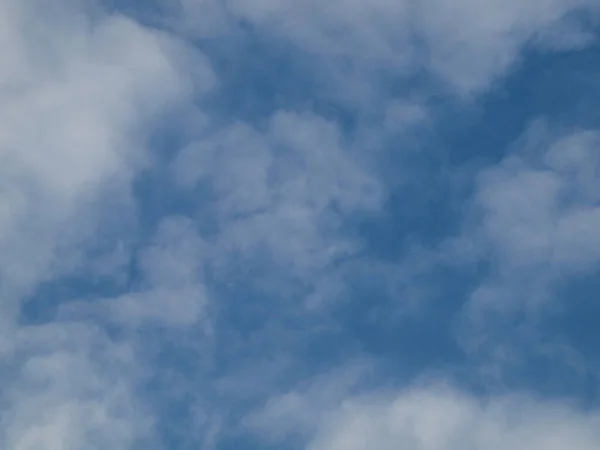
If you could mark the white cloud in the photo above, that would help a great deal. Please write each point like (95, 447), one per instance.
(79, 90)
(278, 190)
(171, 289)
(70, 388)
(467, 43)
(471, 43)
(536, 217)
(444, 419)
(74, 104)
(324, 414)
(300, 412)
(533, 228)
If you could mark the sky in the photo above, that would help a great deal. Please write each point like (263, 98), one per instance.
(296, 224)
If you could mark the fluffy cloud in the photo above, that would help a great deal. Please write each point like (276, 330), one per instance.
(70, 388)
(75, 96)
(325, 415)
(536, 217)
(78, 90)
(532, 232)
(444, 419)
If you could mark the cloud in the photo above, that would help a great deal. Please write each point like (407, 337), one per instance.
(536, 216)
(466, 44)
(445, 419)
(70, 387)
(298, 413)
(530, 232)
(70, 131)
(333, 412)
(281, 193)
(79, 91)
(472, 43)
(193, 260)
(171, 289)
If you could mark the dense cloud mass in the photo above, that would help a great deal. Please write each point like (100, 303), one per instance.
(299, 224)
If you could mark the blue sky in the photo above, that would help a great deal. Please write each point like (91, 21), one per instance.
(266, 224)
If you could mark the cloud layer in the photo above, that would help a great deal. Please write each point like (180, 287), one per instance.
(254, 224)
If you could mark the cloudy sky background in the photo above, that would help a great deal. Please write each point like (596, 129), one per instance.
(265, 224)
